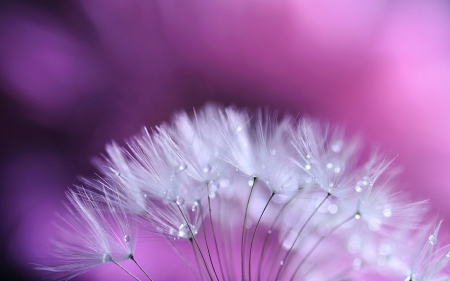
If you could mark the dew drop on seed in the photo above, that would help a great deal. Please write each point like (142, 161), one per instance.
(127, 238)
(432, 239)
(272, 151)
(336, 147)
(207, 169)
(185, 231)
(308, 156)
(250, 182)
(182, 167)
(308, 167)
(329, 165)
(357, 216)
(180, 201)
(358, 188)
(387, 213)
(107, 258)
(239, 129)
(333, 209)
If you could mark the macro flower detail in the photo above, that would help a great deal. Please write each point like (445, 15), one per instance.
(257, 196)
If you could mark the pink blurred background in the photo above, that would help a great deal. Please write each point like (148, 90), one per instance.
(76, 74)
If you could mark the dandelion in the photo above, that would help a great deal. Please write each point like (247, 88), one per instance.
(290, 197)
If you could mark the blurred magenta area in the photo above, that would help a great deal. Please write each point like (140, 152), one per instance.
(75, 75)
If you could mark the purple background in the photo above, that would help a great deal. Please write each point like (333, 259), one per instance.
(76, 74)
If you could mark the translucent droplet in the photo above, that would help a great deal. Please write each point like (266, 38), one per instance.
(308, 156)
(272, 151)
(447, 255)
(337, 146)
(117, 173)
(329, 165)
(127, 238)
(207, 169)
(333, 208)
(337, 170)
(182, 167)
(251, 181)
(432, 239)
(145, 195)
(281, 262)
(180, 201)
(358, 188)
(194, 206)
(185, 231)
(169, 195)
(269, 231)
(387, 213)
(357, 216)
(239, 129)
(107, 258)
(308, 167)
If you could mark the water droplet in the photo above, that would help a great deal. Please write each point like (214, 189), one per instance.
(357, 216)
(194, 206)
(337, 146)
(145, 195)
(333, 208)
(329, 165)
(308, 167)
(239, 129)
(272, 151)
(182, 167)
(117, 173)
(282, 262)
(180, 201)
(337, 170)
(207, 169)
(127, 238)
(251, 181)
(185, 231)
(432, 239)
(269, 231)
(107, 258)
(447, 255)
(387, 213)
(308, 156)
(169, 195)
(358, 188)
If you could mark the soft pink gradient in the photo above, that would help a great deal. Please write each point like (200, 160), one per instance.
(84, 73)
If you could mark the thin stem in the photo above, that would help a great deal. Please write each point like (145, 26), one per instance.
(215, 240)
(225, 233)
(196, 259)
(268, 235)
(133, 259)
(318, 243)
(298, 235)
(253, 237)
(183, 257)
(124, 269)
(244, 229)
(207, 245)
(195, 241)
